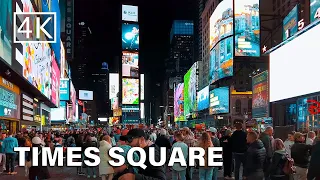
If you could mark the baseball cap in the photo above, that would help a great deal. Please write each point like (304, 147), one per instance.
(213, 130)
(133, 133)
(37, 140)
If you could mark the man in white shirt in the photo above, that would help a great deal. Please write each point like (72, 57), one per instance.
(153, 136)
(289, 142)
(311, 137)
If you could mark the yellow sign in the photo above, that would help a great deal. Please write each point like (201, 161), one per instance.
(43, 120)
(7, 84)
(117, 112)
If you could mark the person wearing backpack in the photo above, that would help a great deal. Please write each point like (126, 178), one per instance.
(280, 162)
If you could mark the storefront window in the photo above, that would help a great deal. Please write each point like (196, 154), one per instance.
(308, 121)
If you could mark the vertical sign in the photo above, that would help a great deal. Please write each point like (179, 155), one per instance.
(314, 10)
(260, 95)
(290, 23)
(69, 29)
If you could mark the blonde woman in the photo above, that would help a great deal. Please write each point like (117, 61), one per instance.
(205, 142)
(105, 170)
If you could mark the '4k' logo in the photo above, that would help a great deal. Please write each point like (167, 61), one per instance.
(314, 108)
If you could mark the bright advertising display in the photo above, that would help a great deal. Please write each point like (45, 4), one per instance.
(130, 64)
(114, 103)
(247, 28)
(129, 13)
(142, 87)
(219, 100)
(64, 89)
(58, 114)
(221, 60)
(85, 95)
(314, 10)
(9, 99)
(55, 85)
(298, 60)
(221, 22)
(72, 107)
(260, 95)
(178, 103)
(130, 36)
(130, 91)
(63, 63)
(37, 66)
(290, 23)
(190, 91)
(203, 99)
(113, 85)
(6, 24)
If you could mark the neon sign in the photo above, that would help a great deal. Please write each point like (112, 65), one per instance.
(314, 108)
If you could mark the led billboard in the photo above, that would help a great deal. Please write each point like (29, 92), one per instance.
(297, 59)
(314, 10)
(221, 22)
(85, 95)
(142, 111)
(130, 64)
(64, 89)
(130, 91)
(113, 85)
(129, 13)
(10, 99)
(190, 91)
(247, 28)
(178, 103)
(114, 103)
(6, 24)
(130, 36)
(219, 100)
(142, 87)
(290, 23)
(221, 60)
(63, 63)
(58, 114)
(203, 98)
(55, 85)
(260, 95)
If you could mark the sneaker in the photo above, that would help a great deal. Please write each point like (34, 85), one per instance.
(94, 176)
(88, 176)
(13, 173)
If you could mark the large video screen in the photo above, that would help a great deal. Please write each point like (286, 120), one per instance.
(190, 90)
(130, 64)
(37, 66)
(130, 91)
(221, 60)
(178, 103)
(64, 89)
(260, 95)
(290, 23)
(85, 95)
(314, 10)
(142, 86)
(6, 30)
(298, 60)
(130, 36)
(203, 98)
(219, 100)
(55, 85)
(247, 28)
(221, 22)
(129, 13)
(113, 85)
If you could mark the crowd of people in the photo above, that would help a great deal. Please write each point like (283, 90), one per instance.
(246, 154)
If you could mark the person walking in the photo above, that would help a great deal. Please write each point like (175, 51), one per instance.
(289, 142)
(179, 172)
(313, 170)
(206, 172)
(8, 146)
(278, 162)
(266, 138)
(2, 154)
(227, 154)
(311, 137)
(106, 171)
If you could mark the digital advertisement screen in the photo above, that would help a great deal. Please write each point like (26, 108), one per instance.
(64, 89)
(300, 65)
(129, 13)
(203, 98)
(37, 66)
(114, 103)
(130, 64)
(142, 86)
(113, 85)
(55, 86)
(221, 60)
(6, 24)
(247, 28)
(63, 63)
(130, 36)
(73, 96)
(221, 22)
(58, 114)
(290, 23)
(178, 103)
(9, 102)
(260, 95)
(219, 100)
(85, 95)
(314, 10)
(190, 91)
(142, 111)
(130, 91)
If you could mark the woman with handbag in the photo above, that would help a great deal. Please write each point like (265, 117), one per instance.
(278, 162)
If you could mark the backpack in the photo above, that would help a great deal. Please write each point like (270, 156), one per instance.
(288, 167)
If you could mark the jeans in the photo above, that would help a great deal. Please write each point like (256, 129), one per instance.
(91, 171)
(215, 173)
(177, 174)
(10, 158)
(239, 159)
(3, 160)
(206, 173)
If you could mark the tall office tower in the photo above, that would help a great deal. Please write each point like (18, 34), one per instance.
(100, 85)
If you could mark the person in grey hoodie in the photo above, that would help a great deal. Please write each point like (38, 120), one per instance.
(8, 146)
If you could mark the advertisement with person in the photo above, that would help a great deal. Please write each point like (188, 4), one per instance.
(9, 99)
(129, 13)
(190, 91)
(314, 10)
(130, 91)
(290, 23)
(219, 100)
(247, 28)
(73, 96)
(55, 86)
(221, 22)
(178, 103)
(130, 64)
(203, 99)
(37, 66)
(130, 36)
(6, 31)
(221, 60)
(260, 95)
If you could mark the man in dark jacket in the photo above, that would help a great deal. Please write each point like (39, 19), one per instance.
(255, 157)
(313, 171)
(265, 137)
(239, 147)
(137, 138)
